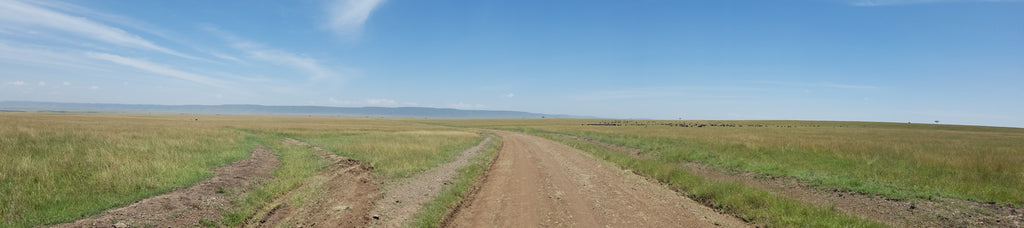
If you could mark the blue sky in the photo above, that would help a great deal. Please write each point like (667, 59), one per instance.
(959, 62)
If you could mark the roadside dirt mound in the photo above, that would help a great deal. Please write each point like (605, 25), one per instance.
(205, 201)
(342, 195)
(939, 212)
(536, 182)
(403, 198)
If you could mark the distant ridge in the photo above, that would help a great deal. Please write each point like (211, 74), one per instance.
(242, 109)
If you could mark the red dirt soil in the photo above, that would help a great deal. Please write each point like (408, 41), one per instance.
(344, 195)
(536, 182)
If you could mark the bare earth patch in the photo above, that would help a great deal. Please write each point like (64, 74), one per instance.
(938, 212)
(205, 201)
(536, 182)
(342, 195)
(404, 198)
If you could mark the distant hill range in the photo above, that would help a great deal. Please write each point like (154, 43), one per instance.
(398, 112)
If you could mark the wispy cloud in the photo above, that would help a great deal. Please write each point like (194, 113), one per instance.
(334, 101)
(225, 57)
(381, 102)
(258, 51)
(158, 69)
(462, 105)
(26, 54)
(346, 17)
(309, 65)
(16, 83)
(912, 2)
(830, 85)
(118, 20)
(24, 16)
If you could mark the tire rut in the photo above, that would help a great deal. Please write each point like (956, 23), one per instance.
(341, 195)
(189, 207)
(405, 197)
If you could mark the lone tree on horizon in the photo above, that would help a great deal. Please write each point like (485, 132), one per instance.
(936, 122)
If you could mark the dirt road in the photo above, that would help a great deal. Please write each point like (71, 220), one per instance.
(536, 182)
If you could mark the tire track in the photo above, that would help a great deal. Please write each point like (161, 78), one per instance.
(189, 207)
(404, 198)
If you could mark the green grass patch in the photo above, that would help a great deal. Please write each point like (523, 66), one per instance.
(895, 160)
(896, 163)
(749, 203)
(58, 168)
(398, 154)
(298, 164)
(207, 223)
(435, 210)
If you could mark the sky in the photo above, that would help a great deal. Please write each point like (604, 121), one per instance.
(955, 61)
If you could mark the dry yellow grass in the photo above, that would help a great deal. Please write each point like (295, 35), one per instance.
(60, 167)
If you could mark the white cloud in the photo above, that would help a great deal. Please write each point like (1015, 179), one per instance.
(67, 83)
(346, 17)
(70, 8)
(42, 83)
(27, 54)
(510, 95)
(94, 87)
(335, 101)
(225, 57)
(24, 16)
(309, 65)
(380, 101)
(912, 2)
(462, 105)
(16, 83)
(157, 69)
(819, 85)
(257, 51)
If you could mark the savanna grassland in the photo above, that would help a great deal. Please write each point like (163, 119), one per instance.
(61, 167)
(57, 168)
(897, 161)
